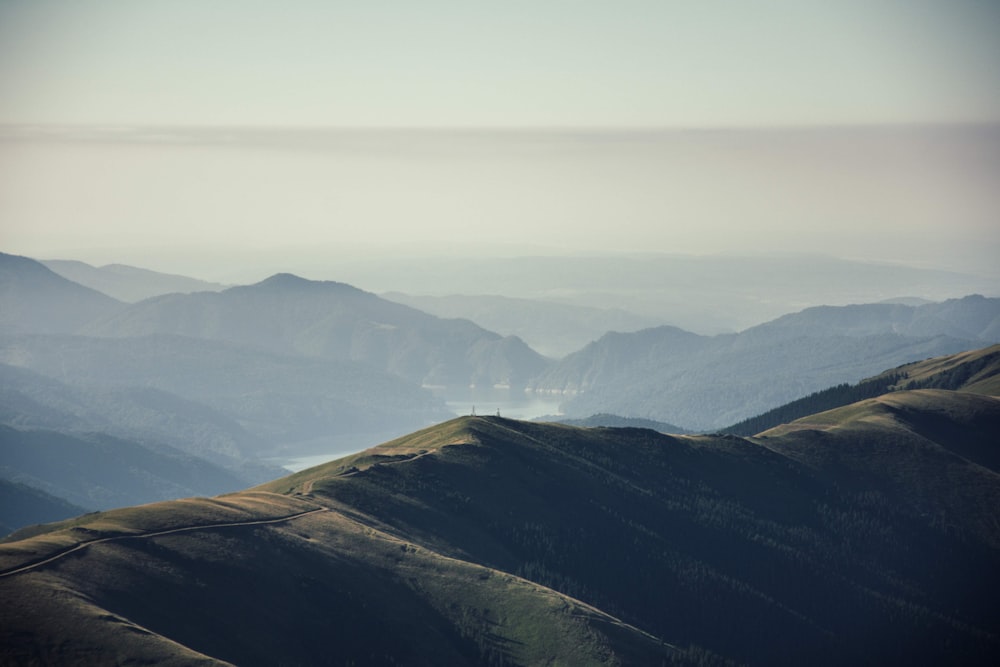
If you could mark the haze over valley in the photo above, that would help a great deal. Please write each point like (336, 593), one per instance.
(522, 333)
(484, 540)
(289, 371)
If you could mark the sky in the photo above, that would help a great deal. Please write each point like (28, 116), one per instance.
(502, 63)
(610, 128)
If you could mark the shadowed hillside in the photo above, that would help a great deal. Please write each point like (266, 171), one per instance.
(29, 400)
(862, 535)
(98, 471)
(256, 399)
(22, 505)
(708, 541)
(264, 579)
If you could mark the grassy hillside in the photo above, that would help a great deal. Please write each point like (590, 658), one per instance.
(861, 535)
(707, 541)
(319, 587)
(976, 371)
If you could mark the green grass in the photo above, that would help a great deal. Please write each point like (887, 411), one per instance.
(341, 588)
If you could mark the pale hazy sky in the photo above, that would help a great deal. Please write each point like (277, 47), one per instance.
(156, 197)
(505, 62)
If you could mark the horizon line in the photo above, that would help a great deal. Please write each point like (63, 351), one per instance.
(514, 128)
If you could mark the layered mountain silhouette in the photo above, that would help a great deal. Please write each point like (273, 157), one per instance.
(972, 318)
(554, 329)
(331, 320)
(244, 400)
(710, 382)
(284, 314)
(201, 393)
(22, 505)
(223, 404)
(616, 421)
(128, 283)
(865, 534)
(186, 416)
(707, 294)
(130, 409)
(33, 299)
(98, 471)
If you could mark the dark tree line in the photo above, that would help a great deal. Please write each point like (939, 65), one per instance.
(820, 401)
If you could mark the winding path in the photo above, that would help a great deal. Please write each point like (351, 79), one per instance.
(172, 531)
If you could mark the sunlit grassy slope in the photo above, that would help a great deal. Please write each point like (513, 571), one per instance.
(866, 534)
(234, 579)
(977, 371)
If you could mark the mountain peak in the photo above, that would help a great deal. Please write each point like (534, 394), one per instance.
(457, 431)
(285, 280)
(290, 281)
(35, 299)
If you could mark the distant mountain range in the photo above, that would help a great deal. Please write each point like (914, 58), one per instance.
(554, 329)
(330, 320)
(22, 505)
(864, 534)
(283, 314)
(971, 318)
(244, 376)
(616, 421)
(136, 410)
(238, 401)
(98, 471)
(33, 299)
(707, 294)
(219, 403)
(128, 283)
(710, 382)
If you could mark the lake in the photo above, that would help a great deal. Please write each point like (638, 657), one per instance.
(525, 406)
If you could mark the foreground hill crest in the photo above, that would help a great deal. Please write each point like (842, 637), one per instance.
(485, 540)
